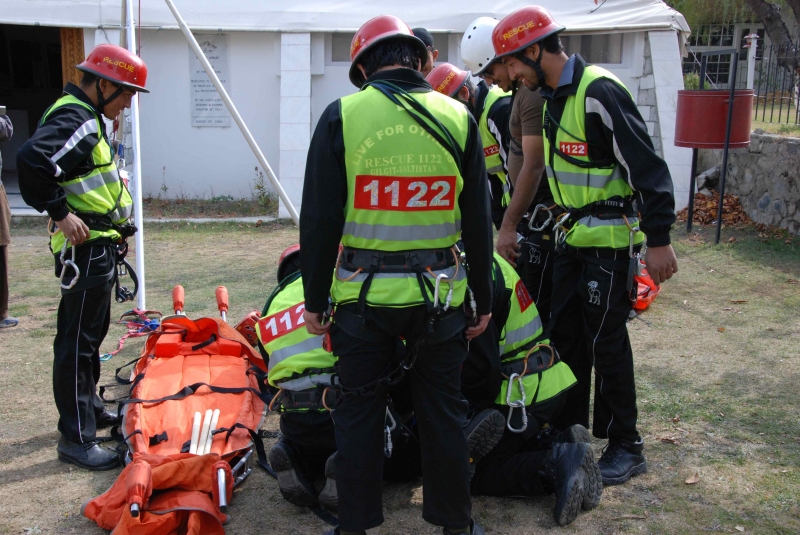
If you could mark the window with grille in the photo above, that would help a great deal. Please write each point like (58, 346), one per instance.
(596, 48)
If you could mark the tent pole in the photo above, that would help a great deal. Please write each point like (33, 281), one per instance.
(234, 112)
(137, 169)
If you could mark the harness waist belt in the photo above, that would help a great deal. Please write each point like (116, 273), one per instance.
(102, 223)
(537, 363)
(309, 399)
(397, 262)
(608, 209)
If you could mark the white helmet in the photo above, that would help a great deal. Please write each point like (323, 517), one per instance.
(477, 50)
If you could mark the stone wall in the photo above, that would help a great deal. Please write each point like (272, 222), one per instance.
(765, 176)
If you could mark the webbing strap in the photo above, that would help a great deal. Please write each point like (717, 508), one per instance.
(188, 390)
(257, 443)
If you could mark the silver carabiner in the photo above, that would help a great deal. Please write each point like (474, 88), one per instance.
(387, 435)
(517, 404)
(533, 218)
(65, 263)
(558, 229)
(447, 299)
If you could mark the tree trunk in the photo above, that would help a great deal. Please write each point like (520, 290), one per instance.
(795, 5)
(770, 16)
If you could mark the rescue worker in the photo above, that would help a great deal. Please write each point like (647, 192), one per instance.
(491, 108)
(604, 172)
(425, 36)
(395, 172)
(67, 169)
(513, 367)
(533, 255)
(304, 372)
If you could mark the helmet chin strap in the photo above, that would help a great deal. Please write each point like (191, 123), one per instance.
(536, 64)
(102, 101)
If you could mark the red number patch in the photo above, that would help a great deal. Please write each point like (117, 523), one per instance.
(488, 151)
(523, 296)
(281, 323)
(574, 149)
(405, 194)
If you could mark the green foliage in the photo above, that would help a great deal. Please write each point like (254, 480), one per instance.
(792, 129)
(714, 11)
(261, 192)
(691, 80)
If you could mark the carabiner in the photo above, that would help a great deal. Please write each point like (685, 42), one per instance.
(517, 404)
(559, 230)
(387, 434)
(65, 263)
(449, 297)
(533, 218)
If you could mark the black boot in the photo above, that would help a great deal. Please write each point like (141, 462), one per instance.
(573, 435)
(328, 497)
(107, 419)
(291, 482)
(567, 461)
(621, 460)
(483, 433)
(89, 456)
(474, 529)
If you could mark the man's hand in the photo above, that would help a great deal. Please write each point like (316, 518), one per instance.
(478, 328)
(74, 229)
(314, 323)
(661, 263)
(507, 245)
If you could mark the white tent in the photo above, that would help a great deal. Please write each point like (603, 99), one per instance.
(283, 70)
(318, 16)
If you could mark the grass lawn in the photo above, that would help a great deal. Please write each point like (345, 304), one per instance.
(717, 362)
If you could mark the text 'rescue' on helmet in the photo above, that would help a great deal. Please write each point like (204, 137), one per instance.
(447, 79)
(374, 31)
(522, 28)
(477, 49)
(117, 65)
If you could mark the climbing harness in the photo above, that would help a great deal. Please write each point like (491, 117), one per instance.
(516, 377)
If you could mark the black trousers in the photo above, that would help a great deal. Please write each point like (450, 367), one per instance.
(512, 467)
(538, 256)
(82, 323)
(588, 327)
(311, 435)
(367, 352)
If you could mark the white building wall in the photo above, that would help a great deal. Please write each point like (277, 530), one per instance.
(667, 81)
(208, 161)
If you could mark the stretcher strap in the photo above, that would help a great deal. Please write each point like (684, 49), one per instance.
(188, 390)
(257, 443)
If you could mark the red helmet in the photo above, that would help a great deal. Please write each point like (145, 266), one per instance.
(447, 79)
(117, 65)
(522, 28)
(372, 32)
(289, 261)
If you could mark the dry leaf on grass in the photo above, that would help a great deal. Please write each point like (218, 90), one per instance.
(732, 239)
(670, 440)
(676, 419)
(705, 210)
(793, 281)
(738, 301)
(721, 329)
(692, 480)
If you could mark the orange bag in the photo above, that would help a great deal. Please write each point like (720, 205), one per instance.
(183, 497)
(646, 290)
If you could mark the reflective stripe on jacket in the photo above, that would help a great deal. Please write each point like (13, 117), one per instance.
(100, 191)
(523, 328)
(402, 192)
(575, 187)
(493, 150)
(296, 358)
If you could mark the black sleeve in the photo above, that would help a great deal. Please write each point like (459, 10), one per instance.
(322, 214)
(611, 110)
(476, 225)
(499, 118)
(6, 128)
(61, 145)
